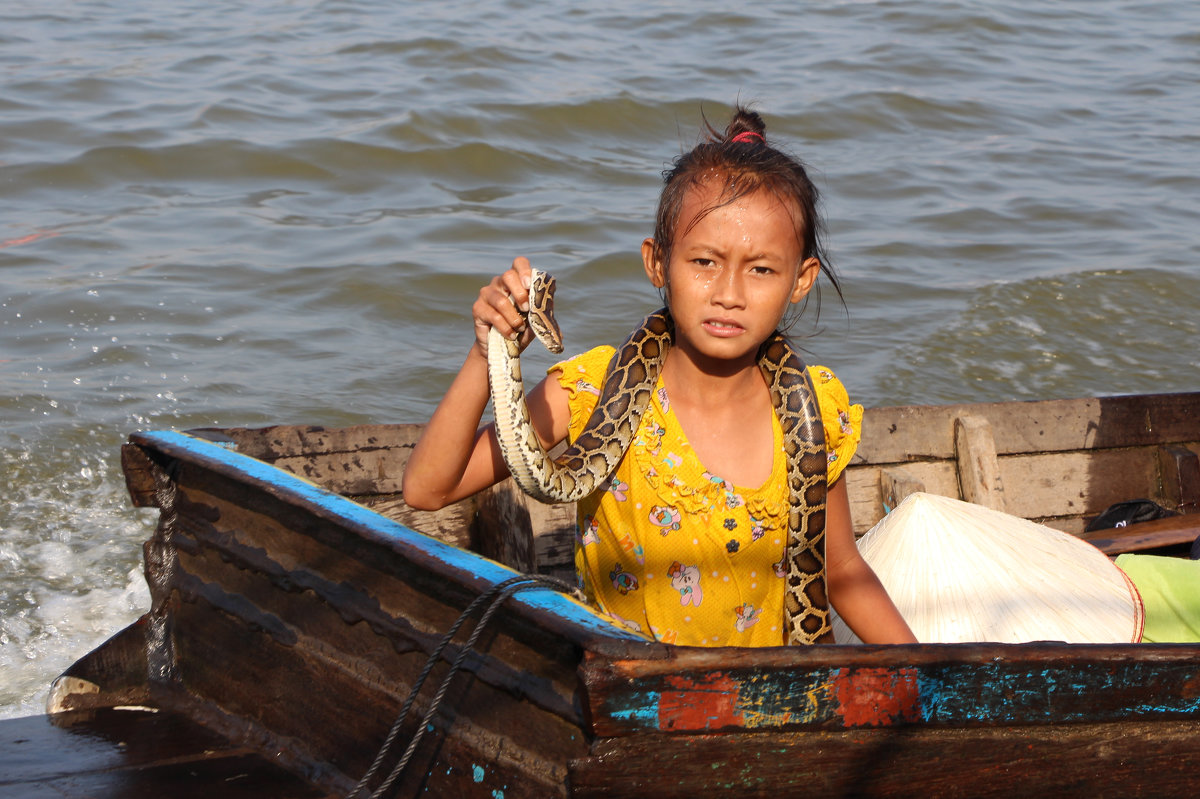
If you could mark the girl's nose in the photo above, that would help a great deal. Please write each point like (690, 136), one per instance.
(728, 289)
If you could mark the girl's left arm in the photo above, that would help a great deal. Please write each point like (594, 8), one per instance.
(854, 589)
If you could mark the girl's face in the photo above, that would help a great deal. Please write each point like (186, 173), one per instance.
(732, 273)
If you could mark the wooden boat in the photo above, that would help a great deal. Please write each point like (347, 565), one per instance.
(295, 605)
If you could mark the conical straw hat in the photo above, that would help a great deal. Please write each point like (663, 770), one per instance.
(962, 572)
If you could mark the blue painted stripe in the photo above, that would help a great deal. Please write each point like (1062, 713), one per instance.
(339, 507)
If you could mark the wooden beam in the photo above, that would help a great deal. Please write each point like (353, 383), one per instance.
(1179, 470)
(978, 465)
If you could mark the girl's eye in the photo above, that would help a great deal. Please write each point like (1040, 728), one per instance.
(763, 270)
(703, 261)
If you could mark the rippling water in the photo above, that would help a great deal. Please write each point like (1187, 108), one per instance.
(248, 213)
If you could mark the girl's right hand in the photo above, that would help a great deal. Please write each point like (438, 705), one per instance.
(500, 305)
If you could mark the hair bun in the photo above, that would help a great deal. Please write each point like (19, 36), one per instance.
(745, 127)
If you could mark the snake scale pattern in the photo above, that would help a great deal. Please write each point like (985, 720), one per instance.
(631, 379)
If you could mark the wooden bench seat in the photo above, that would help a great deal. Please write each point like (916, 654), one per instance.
(1174, 531)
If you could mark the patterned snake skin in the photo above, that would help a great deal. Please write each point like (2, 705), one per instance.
(632, 375)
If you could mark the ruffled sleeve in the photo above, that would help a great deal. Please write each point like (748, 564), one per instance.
(842, 421)
(582, 377)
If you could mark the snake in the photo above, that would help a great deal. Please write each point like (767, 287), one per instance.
(584, 466)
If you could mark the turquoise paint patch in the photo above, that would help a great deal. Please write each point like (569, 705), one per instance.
(642, 710)
(477, 773)
(1009, 692)
(497, 794)
(930, 692)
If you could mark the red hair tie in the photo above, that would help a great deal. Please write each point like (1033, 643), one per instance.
(748, 137)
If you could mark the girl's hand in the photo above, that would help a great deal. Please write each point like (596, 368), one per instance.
(500, 305)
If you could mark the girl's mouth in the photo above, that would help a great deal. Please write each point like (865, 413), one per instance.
(722, 328)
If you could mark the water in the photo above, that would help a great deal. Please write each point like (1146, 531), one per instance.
(252, 213)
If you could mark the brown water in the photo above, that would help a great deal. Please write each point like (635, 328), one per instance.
(250, 213)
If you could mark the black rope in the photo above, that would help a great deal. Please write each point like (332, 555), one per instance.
(496, 595)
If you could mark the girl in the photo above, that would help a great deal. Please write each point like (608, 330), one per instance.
(686, 540)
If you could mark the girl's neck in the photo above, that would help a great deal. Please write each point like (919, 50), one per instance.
(725, 414)
(718, 382)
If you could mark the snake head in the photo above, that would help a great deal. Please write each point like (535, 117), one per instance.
(541, 310)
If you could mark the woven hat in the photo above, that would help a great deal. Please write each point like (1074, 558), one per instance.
(961, 572)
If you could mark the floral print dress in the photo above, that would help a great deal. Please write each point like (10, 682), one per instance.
(666, 547)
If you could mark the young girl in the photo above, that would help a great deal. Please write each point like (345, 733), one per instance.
(686, 540)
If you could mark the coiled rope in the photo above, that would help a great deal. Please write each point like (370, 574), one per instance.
(495, 596)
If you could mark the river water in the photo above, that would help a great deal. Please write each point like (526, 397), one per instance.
(231, 213)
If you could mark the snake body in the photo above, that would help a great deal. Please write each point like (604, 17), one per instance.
(624, 397)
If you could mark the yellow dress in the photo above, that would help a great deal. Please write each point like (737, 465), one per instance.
(666, 547)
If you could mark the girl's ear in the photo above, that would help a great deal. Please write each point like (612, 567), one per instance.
(806, 278)
(655, 269)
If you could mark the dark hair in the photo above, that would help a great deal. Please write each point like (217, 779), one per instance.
(748, 162)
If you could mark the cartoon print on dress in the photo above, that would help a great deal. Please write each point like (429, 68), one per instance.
(616, 488)
(745, 615)
(671, 460)
(633, 625)
(662, 399)
(656, 432)
(712, 478)
(628, 544)
(589, 528)
(666, 518)
(756, 528)
(844, 423)
(622, 580)
(733, 500)
(780, 567)
(686, 580)
(585, 387)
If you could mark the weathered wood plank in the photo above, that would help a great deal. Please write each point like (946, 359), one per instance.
(272, 443)
(1071, 760)
(863, 484)
(453, 524)
(1077, 483)
(901, 434)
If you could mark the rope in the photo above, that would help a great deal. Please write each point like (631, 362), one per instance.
(496, 595)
